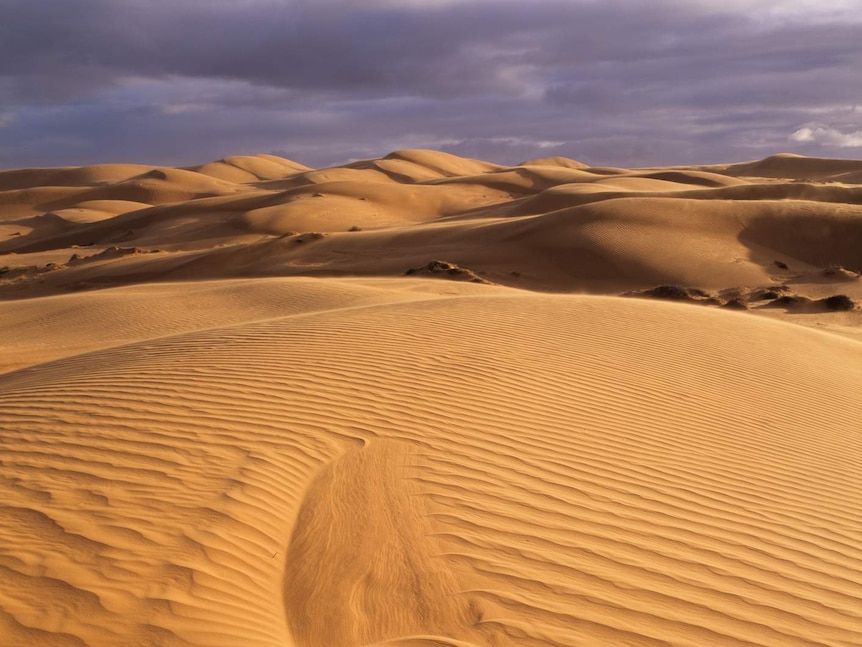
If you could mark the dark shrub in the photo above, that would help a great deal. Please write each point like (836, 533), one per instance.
(839, 302)
(669, 292)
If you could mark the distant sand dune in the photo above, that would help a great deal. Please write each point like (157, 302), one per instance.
(798, 167)
(228, 441)
(548, 224)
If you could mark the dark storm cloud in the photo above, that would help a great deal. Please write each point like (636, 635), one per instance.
(615, 82)
(323, 47)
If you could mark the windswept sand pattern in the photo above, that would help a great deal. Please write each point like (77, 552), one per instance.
(254, 403)
(466, 465)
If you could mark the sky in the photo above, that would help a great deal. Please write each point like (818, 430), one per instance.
(323, 82)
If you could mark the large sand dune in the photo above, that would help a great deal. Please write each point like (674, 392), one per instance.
(226, 419)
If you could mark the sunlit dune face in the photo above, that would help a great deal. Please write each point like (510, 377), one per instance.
(431, 401)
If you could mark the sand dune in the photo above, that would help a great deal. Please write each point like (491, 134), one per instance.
(798, 167)
(228, 420)
(548, 224)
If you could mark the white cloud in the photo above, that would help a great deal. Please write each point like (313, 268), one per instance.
(826, 136)
(523, 141)
(780, 7)
(803, 135)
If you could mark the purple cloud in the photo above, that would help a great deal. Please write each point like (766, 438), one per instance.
(618, 82)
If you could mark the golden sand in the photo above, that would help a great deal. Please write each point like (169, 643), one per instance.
(227, 419)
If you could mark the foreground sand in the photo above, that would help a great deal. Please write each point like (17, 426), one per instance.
(235, 444)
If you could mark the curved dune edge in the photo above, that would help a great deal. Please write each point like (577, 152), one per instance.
(486, 467)
(551, 224)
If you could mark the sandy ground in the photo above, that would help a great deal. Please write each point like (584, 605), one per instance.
(426, 401)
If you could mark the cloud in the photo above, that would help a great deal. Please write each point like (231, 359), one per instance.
(827, 136)
(615, 82)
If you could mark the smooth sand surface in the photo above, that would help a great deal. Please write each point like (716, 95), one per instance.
(228, 420)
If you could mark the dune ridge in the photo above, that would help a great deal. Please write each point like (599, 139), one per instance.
(223, 431)
(551, 224)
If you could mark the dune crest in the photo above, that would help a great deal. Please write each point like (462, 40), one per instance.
(550, 224)
(411, 402)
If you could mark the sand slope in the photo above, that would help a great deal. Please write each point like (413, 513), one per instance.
(550, 224)
(629, 471)
(213, 450)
